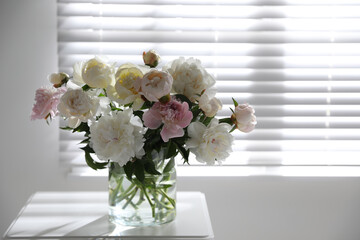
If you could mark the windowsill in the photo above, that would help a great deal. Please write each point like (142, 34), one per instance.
(247, 171)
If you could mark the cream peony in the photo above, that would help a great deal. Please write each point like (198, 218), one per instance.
(124, 92)
(77, 76)
(209, 103)
(96, 73)
(118, 138)
(78, 106)
(190, 78)
(244, 118)
(154, 85)
(210, 144)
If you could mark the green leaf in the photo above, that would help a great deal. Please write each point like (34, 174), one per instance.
(93, 164)
(150, 167)
(128, 105)
(139, 114)
(129, 169)
(88, 149)
(195, 111)
(235, 102)
(183, 98)
(169, 166)
(66, 128)
(184, 153)
(155, 140)
(232, 129)
(86, 87)
(114, 108)
(170, 150)
(147, 104)
(83, 127)
(86, 140)
(149, 132)
(139, 170)
(226, 120)
(207, 120)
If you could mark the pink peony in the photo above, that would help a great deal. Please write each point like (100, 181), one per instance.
(174, 115)
(46, 101)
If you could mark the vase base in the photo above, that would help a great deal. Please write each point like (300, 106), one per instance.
(137, 221)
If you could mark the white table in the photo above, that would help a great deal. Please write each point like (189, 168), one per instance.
(75, 215)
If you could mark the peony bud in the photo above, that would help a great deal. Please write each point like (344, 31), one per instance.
(58, 79)
(151, 58)
(244, 118)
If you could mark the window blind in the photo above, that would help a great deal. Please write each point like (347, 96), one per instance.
(297, 62)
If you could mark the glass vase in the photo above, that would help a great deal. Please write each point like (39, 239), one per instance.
(135, 203)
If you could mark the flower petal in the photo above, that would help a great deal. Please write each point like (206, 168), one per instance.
(152, 119)
(172, 131)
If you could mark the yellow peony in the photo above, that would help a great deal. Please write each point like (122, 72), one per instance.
(123, 91)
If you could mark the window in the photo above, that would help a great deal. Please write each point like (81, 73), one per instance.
(296, 61)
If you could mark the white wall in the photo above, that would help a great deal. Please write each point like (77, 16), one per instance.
(278, 208)
(29, 150)
(249, 208)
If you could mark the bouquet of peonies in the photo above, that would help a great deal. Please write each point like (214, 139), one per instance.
(129, 112)
(136, 119)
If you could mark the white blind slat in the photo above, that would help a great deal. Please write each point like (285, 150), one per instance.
(296, 61)
(208, 24)
(209, 11)
(223, 2)
(211, 49)
(93, 35)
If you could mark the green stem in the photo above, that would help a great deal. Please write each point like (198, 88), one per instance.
(133, 193)
(125, 194)
(164, 179)
(116, 191)
(141, 198)
(163, 205)
(149, 200)
(172, 201)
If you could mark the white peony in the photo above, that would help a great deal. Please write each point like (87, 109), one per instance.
(190, 78)
(104, 102)
(209, 103)
(77, 106)
(95, 72)
(118, 138)
(210, 144)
